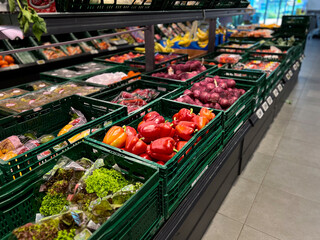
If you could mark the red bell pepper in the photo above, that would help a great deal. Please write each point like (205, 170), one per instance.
(184, 115)
(205, 112)
(145, 156)
(135, 145)
(166, 130)
(150, 131)
(200, 121)
(180, 145)
(151, 115)
(185, 130)
(161, 163)
(162, 149)
(130, 131)
(158, 120)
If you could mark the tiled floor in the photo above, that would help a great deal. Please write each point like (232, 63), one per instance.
(277, 196)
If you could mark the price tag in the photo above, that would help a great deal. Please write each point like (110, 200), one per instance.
(280, 88)
(112, 48)
(269, 100)
(279, 73)
(136, 44)
(40, 62)
(291, 73)
(298, 64)
(265, 106)
(95, 51)
(259, 113)
(295, 66)
(301, 58)
(275, 92)
(16, 66)
(240, 110)
(288, 76)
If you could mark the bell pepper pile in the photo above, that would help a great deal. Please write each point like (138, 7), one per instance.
(156, 139)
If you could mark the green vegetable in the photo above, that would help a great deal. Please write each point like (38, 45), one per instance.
(53, 204)
(44, 231)
(66, 235)
(27, 16)
(59, 187)
(104, 181)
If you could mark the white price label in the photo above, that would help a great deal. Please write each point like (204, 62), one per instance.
(196, 180)
(259, 113)
(291, 73)
(275, 92)
(301, 59)
(298, 64)
(112, 48)
(295, 66)
(95, 51)
(280, 88)
(269, 100)
(265, 106)
(40, 62)
(136, 44)
(16, 66)
(279, 73)
(288, 76)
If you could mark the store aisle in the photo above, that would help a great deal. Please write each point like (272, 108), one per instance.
(278, 194)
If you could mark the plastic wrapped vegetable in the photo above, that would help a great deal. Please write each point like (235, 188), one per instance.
(12, 93)
(228, 58)
(79, 120)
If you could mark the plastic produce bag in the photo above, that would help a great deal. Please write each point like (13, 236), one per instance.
(107, 78)
(79, 120)
(228, 58)
(12, 93)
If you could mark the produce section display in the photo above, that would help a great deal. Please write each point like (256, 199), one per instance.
(11, 93)
(6, 61)
(228, 58)
(37, 99)
(111, 78)
(261, 33)
(122, 57)
(234, 47)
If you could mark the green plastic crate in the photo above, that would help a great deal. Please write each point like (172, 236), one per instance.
(50, 119)
(186, 181)
(103, 58)
(140, 62)
(100, 6)
(226, 48)
(185, 5)
(235, 126)
(163, 89)
(50, 75)
(92, 47)
(172, 170)
(138, 218)
(148, 76)
(240, 106)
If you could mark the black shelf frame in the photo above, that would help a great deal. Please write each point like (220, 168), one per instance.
(194, 214)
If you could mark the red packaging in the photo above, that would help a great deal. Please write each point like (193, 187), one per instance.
(43, 6)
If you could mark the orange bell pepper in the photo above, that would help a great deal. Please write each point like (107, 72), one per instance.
(116, 137)
(205, 112)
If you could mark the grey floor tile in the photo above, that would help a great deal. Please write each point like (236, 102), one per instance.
(284, 215)
(257, 167)
(269, 144)
(306, 116)
(239, 200)
(286, 112)
(294, 178)
(303, 132)
(223, 228)
(308, 105)
(249, 233)
(278, 127)
(299, 152)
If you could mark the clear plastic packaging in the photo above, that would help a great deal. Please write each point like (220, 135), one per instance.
(12, 93)
(228, 58)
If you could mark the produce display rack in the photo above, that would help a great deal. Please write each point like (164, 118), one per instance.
(192, 217)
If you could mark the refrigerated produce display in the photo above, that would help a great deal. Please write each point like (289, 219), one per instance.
(111, 127)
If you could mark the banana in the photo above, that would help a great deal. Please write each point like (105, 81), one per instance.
(140, 49)
(185, 43)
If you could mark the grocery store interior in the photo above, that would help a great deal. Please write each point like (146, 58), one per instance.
(151, 119)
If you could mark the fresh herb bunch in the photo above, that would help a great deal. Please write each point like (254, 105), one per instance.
(104, 181)
(53, 204)
(27, 16)
(66, 235)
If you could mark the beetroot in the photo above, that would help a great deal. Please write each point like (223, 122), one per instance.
(224, 103)
(242, 91)
(187, 92)
(210, 87)
(214, 97)
(196, 93)
(231, 83)
(204, 97)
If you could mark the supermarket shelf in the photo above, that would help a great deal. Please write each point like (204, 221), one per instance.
(76, 22)
(194, 214)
